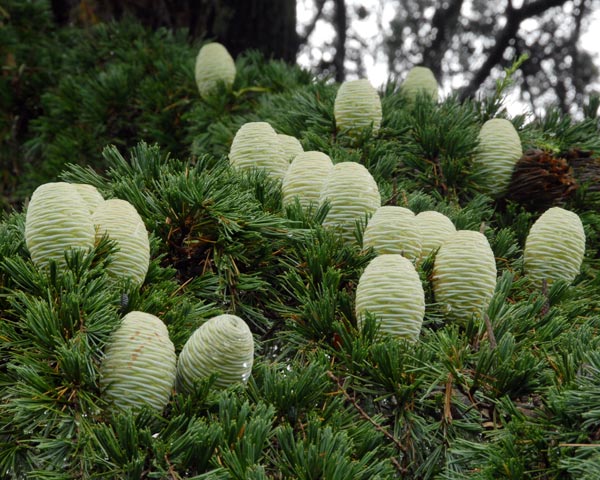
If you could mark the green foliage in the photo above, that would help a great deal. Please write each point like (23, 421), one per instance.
(513, 395)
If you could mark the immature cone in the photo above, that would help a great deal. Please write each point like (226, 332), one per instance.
(139, 364)
(352, 194)
(223, 345)
(499, 150)
(434, 228)
(291, 146)
(57, 220)
(555, 247)
(121, 222)
(257, 146)
(464, 274)
(305, 178)
(213, 65)
(419, 81)
(90, 195)
(391, 290)
(393, 230)
(357, 107)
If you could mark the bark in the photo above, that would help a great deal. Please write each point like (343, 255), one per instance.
(340, 23)
(265, 25)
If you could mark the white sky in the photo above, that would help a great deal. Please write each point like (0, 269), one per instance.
(371, 33)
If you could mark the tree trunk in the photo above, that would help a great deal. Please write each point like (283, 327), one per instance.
(265, 25)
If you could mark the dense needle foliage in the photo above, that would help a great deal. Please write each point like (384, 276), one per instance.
(115, 106)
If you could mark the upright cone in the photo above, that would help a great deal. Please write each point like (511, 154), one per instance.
(464, 275)
(357, 107)
(257, 146)
(139, 364)
(390, 289)
(57, 220)
(499, 150)
(224, 346)
(352, 194)
(555, 247)
(213, 65)
(393, 229)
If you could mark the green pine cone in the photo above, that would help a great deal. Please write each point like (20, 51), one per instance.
(555, 247)
(291, 146)
(390, 289)
(434, 228)
(357, 106)
(418, 81)
(305, 178)
(499, 150)
(256, 145)
(393, 229)
(352, 194)
(139, 364)
(57, 220)
(464, 275)
(223, 345)
(214, 64)
(121, 222)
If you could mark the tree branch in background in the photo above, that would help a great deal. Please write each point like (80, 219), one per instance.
(303, 39)
(514, 17)
(444, 24)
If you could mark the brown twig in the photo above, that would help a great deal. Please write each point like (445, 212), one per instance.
(364, 414)
(490, 331)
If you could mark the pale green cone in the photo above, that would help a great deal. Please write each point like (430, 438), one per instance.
(121, 222)
(291, 146)
(391, 290)
(305, 178)
(139, 364)
(554, 247)
(498, 152)
(352, 194)
(434, 228)
(257, 146)
(214, 64)
(90, 195)
(57, 220)
(357, 107)
(224, 346)
(464, 275)
(393, 229)
(420, 80)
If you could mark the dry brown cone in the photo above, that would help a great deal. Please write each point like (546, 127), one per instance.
(541, 179)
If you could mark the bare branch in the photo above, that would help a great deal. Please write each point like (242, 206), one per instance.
(444, 24)
(514, 17)
(313, 23)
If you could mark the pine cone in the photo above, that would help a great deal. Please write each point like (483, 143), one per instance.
(541, 180)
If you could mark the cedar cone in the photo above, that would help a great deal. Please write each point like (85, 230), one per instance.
(540, 180)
